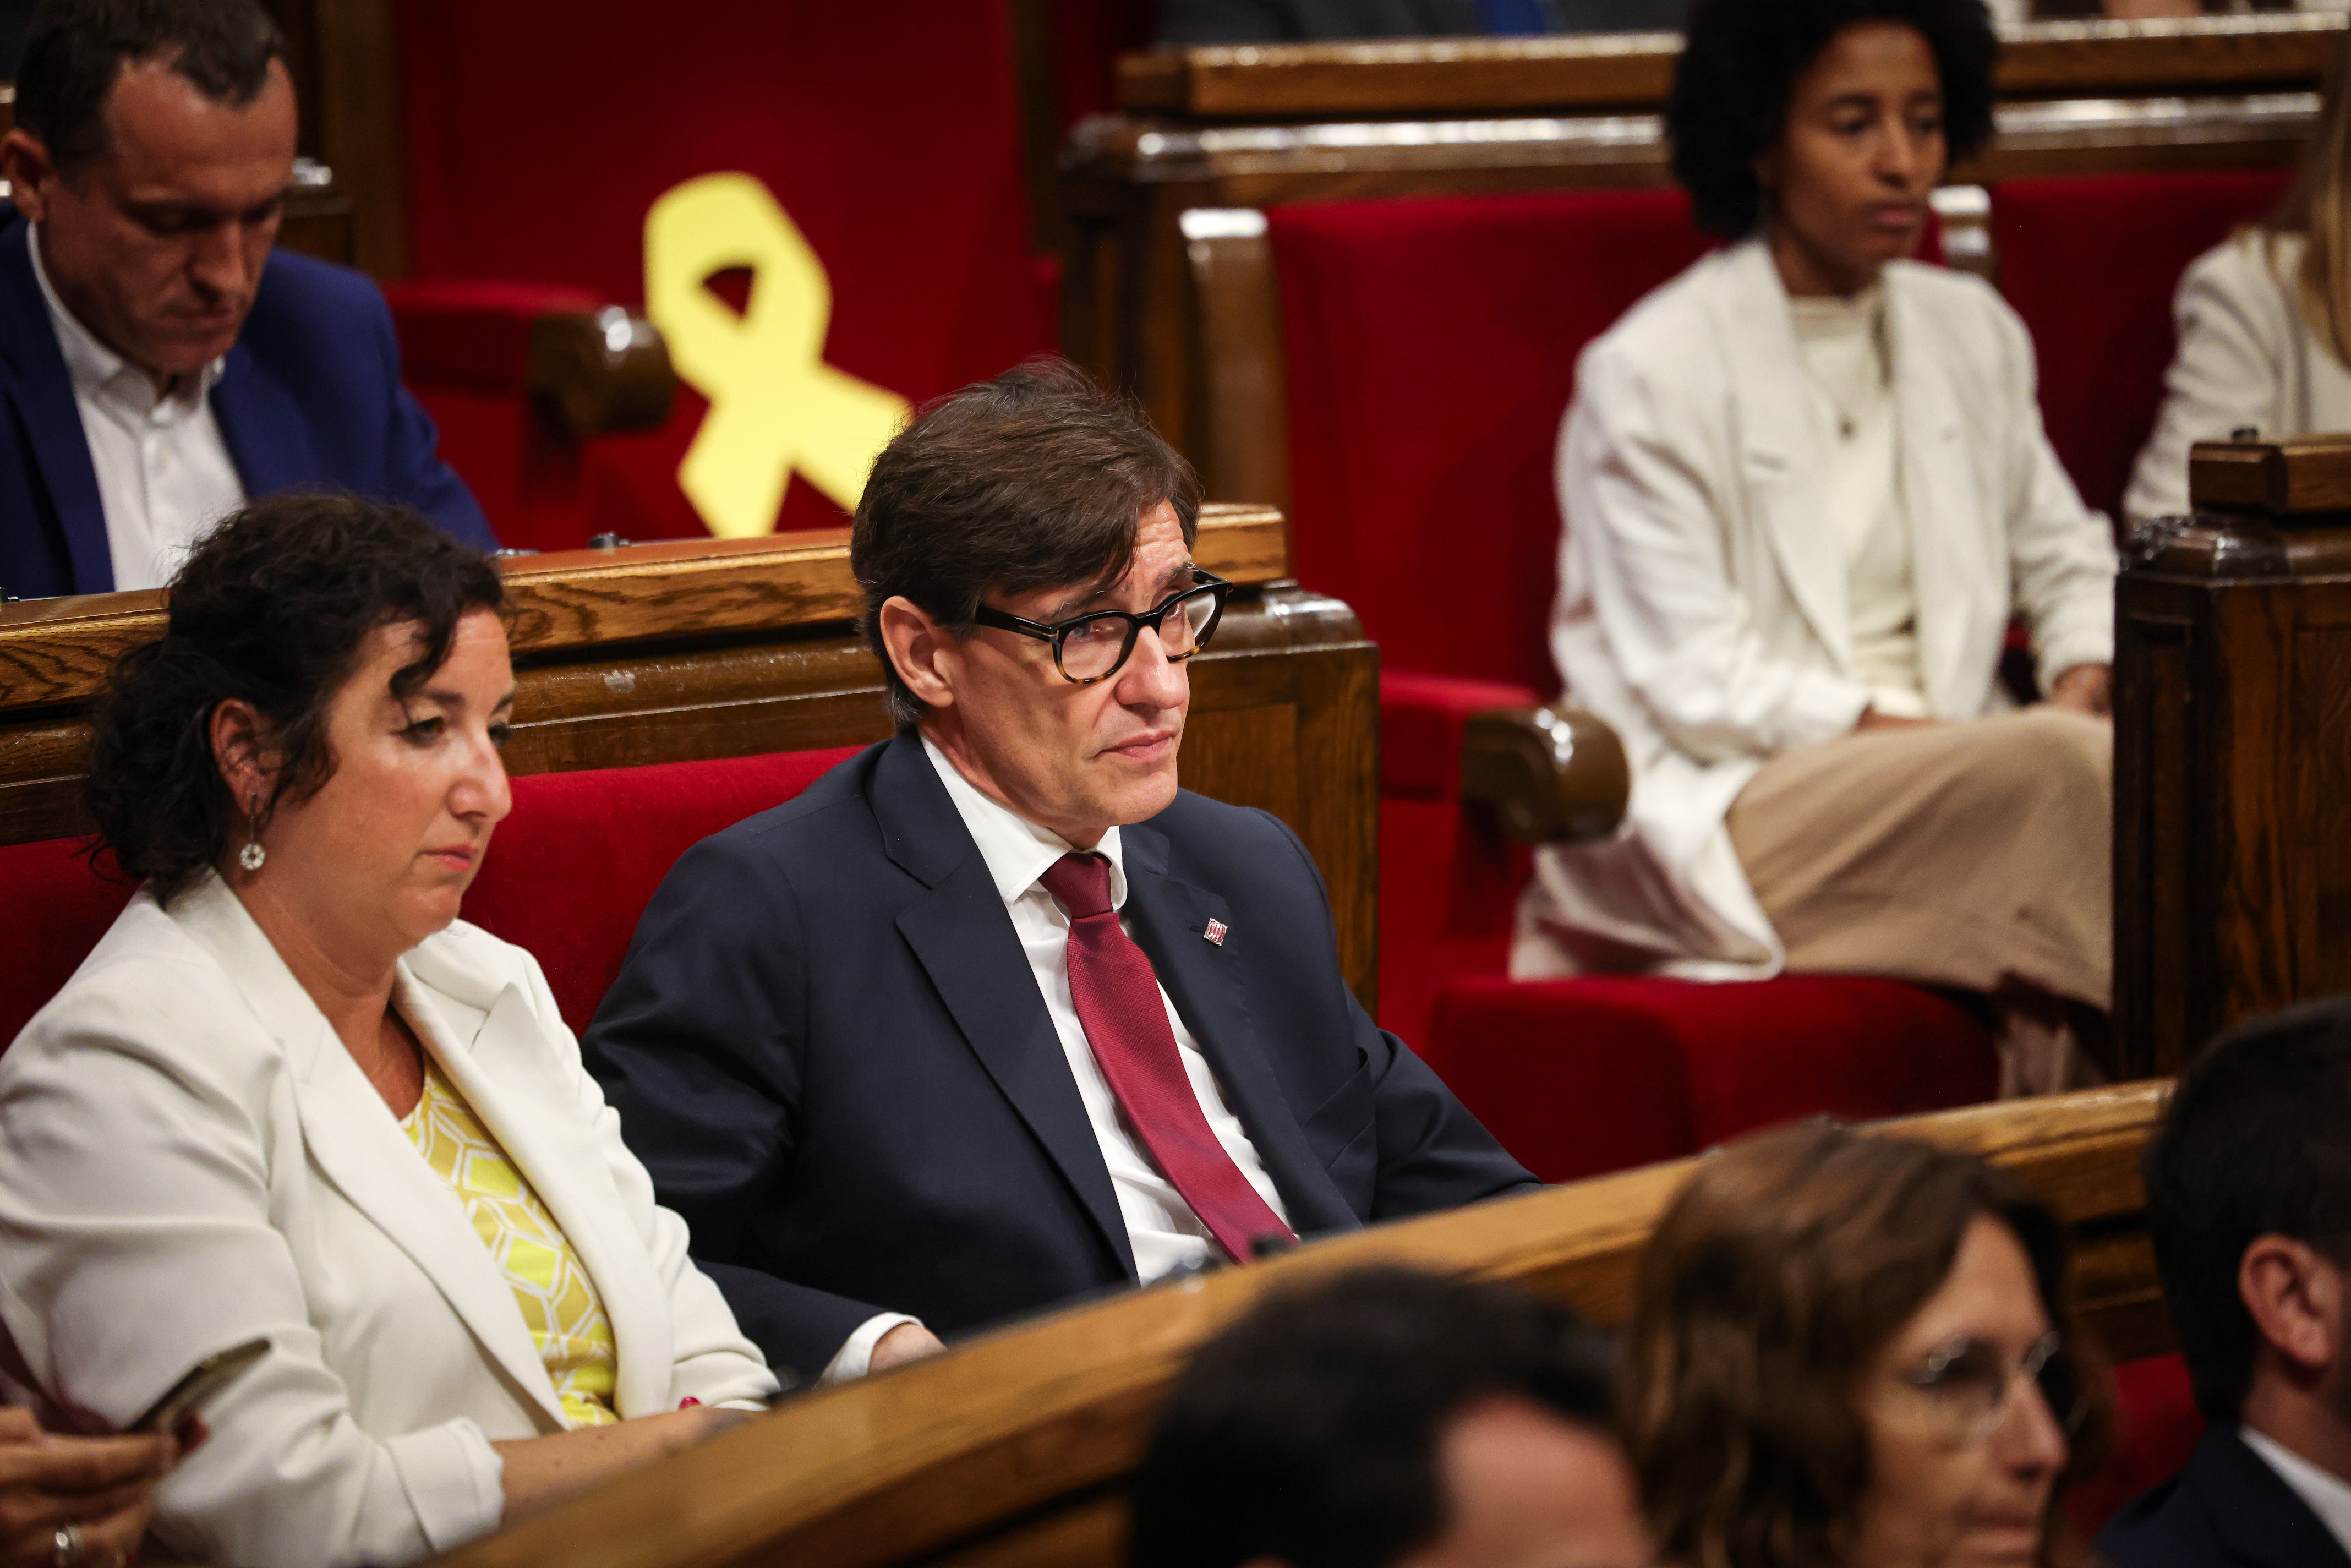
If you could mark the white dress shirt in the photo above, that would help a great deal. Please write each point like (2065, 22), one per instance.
(2328, 1495)
(164, 475)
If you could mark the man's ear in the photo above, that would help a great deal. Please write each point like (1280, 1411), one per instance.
(242, 750)
(2296, 1300)
(26, 164)
(921, 650)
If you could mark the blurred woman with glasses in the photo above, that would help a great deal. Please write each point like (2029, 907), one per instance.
(1857, 1351)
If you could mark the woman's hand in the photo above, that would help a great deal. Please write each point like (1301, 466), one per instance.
(2085, 688)
(1873, 719)
(102, 1487)
(542, 1471)
(907, 1342)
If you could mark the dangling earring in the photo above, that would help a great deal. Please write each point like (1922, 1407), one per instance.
(253, 855)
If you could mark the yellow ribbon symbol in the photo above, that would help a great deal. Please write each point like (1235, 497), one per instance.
(775, 404)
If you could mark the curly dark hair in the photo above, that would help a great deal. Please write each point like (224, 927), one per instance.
(1763, 1298)
(1738, 66)
(271, 609)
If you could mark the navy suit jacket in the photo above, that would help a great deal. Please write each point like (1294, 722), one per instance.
(311, 399)
(828, 1046)
(2226, 1509)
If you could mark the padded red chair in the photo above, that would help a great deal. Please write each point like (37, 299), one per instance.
(567, 875)
(2158, 1427)
(1432, 348)
(2091, 263)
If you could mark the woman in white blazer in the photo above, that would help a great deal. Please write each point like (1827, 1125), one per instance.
(2264, 324)
(290, 1097)
(1806, 488)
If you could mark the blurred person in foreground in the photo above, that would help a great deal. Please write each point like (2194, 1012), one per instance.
(291, 1096)
(1391, 1419)
(2248, 1205)
(1850, 1350)
(1805, 490)
(159, 360)
(68, 1499)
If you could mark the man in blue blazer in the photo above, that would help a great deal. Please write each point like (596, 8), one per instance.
(2248, 1205)
(158, 362)
(994, 1016)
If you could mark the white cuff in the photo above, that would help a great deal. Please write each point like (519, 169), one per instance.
(1820, 707)
(454, 1479)
(855, 1357)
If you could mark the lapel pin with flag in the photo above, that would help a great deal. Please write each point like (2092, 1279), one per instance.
(1215, 932)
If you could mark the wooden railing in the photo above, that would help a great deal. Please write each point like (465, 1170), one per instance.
(1015, 1448)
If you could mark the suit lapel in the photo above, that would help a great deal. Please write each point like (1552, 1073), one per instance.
(1946, 513)
(964, 941)
(2257, 1516)
(1203, 978)
(1780, 450)
(267, 436)
(498, 1059)
(42, 390)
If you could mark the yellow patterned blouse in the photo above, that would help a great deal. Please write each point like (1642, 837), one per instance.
(559, 1301)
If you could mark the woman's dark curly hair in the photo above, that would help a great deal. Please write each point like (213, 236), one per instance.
(1738, 66)
(272, 609)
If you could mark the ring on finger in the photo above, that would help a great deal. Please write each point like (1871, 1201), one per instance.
(66, 1550)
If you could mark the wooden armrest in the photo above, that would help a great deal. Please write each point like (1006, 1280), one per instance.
(1552, 775)
(601, 371)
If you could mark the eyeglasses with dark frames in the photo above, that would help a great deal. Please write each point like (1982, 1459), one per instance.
(1095, 646)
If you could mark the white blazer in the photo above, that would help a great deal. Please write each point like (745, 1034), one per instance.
(2247, 356)
(1702, 607)
(190, 1158)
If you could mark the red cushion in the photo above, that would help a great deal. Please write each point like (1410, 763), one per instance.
(1581, 1076)
(474, 336)
(568, 874)
(1432, 348)
(2158, 1427)
(575, 865)
(1421, 718)
(2091, 263)
(58, 909)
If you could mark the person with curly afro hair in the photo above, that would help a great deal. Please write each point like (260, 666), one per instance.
(1806, 491)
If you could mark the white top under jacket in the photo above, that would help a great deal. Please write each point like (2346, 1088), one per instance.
(190, 1158)
(2247, 356)
(1166, 1233)
(1702, 606)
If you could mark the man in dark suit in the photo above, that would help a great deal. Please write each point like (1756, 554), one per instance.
(995, 1015)
(158, 364)
(2249, 1203)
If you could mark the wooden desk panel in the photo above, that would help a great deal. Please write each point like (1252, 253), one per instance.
(1013, 1447)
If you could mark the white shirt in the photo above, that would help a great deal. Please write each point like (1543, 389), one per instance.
(164, 475)
(1851, 378)
(2328, 1495)
(1160, 1226)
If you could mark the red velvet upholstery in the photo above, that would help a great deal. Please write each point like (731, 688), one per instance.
(2158, 1427)
(538, 133)
(1576, 1077)
(568, 874)
(1440, 338)
(2091, 263)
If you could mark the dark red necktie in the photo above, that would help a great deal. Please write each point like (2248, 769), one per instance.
(1117, 999)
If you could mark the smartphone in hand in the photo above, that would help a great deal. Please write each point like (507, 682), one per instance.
(204, 1382)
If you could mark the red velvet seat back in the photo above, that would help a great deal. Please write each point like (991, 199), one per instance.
(1431, 349)
(568, 874)
(539, 132)
(2092, 263)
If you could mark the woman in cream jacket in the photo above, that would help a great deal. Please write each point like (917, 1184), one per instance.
(288, 1097)
(1806, 488)
(2264, 324)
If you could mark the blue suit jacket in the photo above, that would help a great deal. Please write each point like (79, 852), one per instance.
(2226, 1509)
(311, 399)
(828, 1049)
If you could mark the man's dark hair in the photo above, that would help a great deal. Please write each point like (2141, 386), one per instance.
(272, 608)
(1036, 479)
(76, 49)
(1738, 66)
(1310, 1430)
(2256, 1142)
